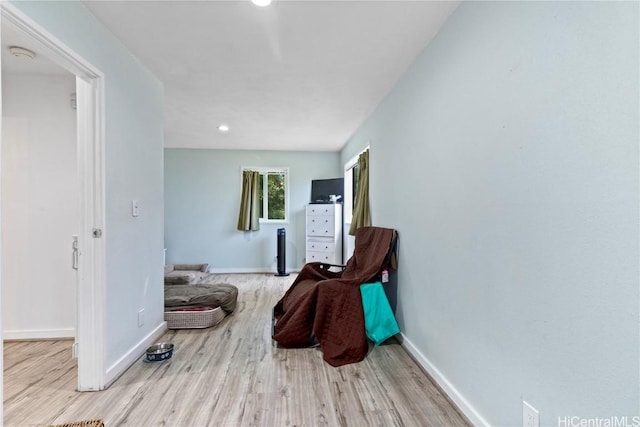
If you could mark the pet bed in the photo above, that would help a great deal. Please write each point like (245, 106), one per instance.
(185, 273)
(224, 296)
(193, 317)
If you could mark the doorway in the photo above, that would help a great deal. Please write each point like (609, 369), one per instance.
(40, 197)
(89, 192)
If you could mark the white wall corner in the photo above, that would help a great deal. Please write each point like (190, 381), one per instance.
(133, 355)
(454, 395)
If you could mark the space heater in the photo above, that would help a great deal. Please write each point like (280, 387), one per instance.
(282, 263)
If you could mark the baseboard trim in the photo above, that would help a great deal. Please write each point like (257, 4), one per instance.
(39, 334)
(133, 355)
(441, 381)
(240, 270)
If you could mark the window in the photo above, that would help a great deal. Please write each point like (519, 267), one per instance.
(274, 194)
(355, 171)
(351, 170)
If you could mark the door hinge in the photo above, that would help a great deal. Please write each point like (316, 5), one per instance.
(96, 233)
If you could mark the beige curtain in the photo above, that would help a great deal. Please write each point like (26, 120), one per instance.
(249, 218)
(361, 213)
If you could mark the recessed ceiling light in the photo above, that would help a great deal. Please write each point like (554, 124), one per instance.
(22, 53)
(223, 128)
(261, 3)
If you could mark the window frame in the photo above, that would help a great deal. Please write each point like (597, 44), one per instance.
(348, 200)
(264, 172)
(348, 241)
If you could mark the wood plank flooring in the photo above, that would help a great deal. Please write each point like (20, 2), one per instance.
(229, 375)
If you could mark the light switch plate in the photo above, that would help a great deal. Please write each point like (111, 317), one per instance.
(530, 416)
(135, 208)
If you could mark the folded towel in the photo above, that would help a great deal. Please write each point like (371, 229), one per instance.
(379, 321)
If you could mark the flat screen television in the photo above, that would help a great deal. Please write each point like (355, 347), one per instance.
(322, 189)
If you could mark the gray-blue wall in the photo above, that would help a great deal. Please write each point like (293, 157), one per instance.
(134, 142)
(507, 158)
(202, 200)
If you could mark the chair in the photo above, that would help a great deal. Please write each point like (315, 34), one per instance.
(326, 306)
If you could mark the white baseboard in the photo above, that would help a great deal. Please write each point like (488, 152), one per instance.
(133, 355)
(237, 270)
(456, 397)
(39, 334)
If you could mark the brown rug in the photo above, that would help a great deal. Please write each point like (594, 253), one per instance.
(86, 423)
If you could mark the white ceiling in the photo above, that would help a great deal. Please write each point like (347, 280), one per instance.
(297, 75)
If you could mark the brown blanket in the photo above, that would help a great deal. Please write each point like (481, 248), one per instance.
(329, 306)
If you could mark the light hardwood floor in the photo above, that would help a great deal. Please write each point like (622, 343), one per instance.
(229, 375)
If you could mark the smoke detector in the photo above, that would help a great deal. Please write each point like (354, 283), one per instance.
(22, 53)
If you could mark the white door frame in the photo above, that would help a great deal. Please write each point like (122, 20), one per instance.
(90, 327)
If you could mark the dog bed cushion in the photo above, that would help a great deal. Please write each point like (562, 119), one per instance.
(198, 295)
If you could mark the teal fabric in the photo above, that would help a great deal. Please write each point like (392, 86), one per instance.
(379, 321)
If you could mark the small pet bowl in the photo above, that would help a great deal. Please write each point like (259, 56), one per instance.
(159, 352)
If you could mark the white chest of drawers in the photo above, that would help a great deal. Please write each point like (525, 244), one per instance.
(324, 233)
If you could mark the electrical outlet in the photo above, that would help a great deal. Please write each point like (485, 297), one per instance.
(141, 317)
(530, 416)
